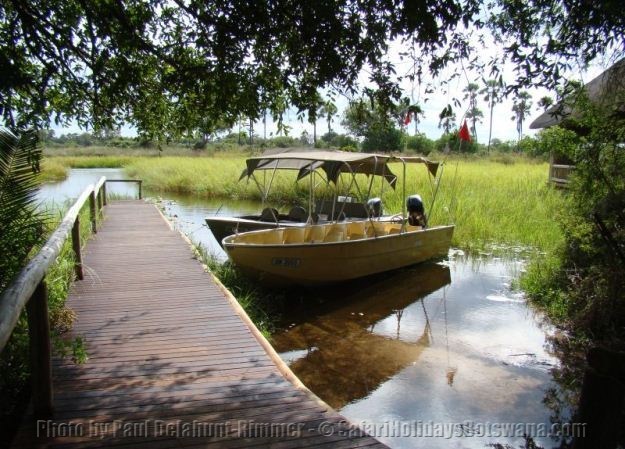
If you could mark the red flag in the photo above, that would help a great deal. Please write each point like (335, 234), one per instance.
(407, 119)
(464, 133)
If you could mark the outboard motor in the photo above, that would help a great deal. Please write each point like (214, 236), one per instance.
(374, 207)
(416, 211)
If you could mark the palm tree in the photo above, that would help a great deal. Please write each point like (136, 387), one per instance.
(21, 223)
(313, 114)
(521, 107)
(447, 118)
(417, 113)
(493, 94)
(474, 112)
(329, 110)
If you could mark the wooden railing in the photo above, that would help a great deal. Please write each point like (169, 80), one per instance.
(28, 290)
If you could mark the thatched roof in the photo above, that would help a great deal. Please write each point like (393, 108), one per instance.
(602, 90)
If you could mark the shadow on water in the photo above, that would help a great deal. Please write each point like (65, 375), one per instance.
(333, 347)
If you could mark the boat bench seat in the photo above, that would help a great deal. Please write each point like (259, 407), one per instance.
(315, 234)
(294, 235)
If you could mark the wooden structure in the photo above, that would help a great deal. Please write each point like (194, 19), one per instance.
(559, 170)
(173, 360)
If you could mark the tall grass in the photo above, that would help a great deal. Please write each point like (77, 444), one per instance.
(213, 177)
(501, 200)
(56, 168)
(491, 203)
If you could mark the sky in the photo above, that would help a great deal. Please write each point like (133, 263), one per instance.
(504, 127)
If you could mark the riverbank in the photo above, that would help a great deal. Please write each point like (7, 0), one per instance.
(499, 204)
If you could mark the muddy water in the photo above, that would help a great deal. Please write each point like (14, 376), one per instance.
(441, 355)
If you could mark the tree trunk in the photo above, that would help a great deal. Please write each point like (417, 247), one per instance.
(490, 126)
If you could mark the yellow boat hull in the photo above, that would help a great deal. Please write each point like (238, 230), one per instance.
(328, 253)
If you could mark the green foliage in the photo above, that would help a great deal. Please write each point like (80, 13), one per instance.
(368, 119)
(21, 225)
(23, 228)
(420, 144)
(555, 139)
(284, 142)
(102, 62)
(585, 292)
(383, 138)
(455, 145)
(334, 140)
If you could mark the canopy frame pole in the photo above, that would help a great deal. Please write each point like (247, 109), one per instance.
(273, 174)
(348, 189)
(336, 195)
(383, 181)
(310, 198)
(375, 170)
(438, 183)
(260, 189)
(404, 209)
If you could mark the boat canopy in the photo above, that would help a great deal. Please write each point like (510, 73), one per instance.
(333, 163)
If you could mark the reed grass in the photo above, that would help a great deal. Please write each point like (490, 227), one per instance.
(56, 168)
(491, 203)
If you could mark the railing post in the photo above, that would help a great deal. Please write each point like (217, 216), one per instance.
(40, 352)
(104, 193)
(140, 193)
(99, 197)
(76, 247)
(93, 211)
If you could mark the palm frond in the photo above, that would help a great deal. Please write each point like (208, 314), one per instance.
(21, 223)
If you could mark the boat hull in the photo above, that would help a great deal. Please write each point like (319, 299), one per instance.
(322, 263)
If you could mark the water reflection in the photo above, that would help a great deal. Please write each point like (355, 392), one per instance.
(342, 336)
(79, 178)
(444, 344)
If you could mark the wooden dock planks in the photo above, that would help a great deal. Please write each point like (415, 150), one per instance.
(168, 351)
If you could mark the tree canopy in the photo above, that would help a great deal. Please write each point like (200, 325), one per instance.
(170, 66)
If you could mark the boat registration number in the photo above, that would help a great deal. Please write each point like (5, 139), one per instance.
(290, 262)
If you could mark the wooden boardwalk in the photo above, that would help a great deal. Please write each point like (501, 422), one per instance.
(173, 362)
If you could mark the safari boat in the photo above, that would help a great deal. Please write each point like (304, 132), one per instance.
(339, 251)
(353, 204)
(326, 253)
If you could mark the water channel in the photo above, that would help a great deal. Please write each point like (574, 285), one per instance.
(440, 355)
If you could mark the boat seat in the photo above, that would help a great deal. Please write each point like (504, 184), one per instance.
(336, 232)
(316, 234)
(294, 235)
(272, 237)
(356, 230)
(298, 213)
(334, 236)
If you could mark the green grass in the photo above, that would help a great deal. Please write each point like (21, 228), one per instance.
(492, 203)
(56, 168)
